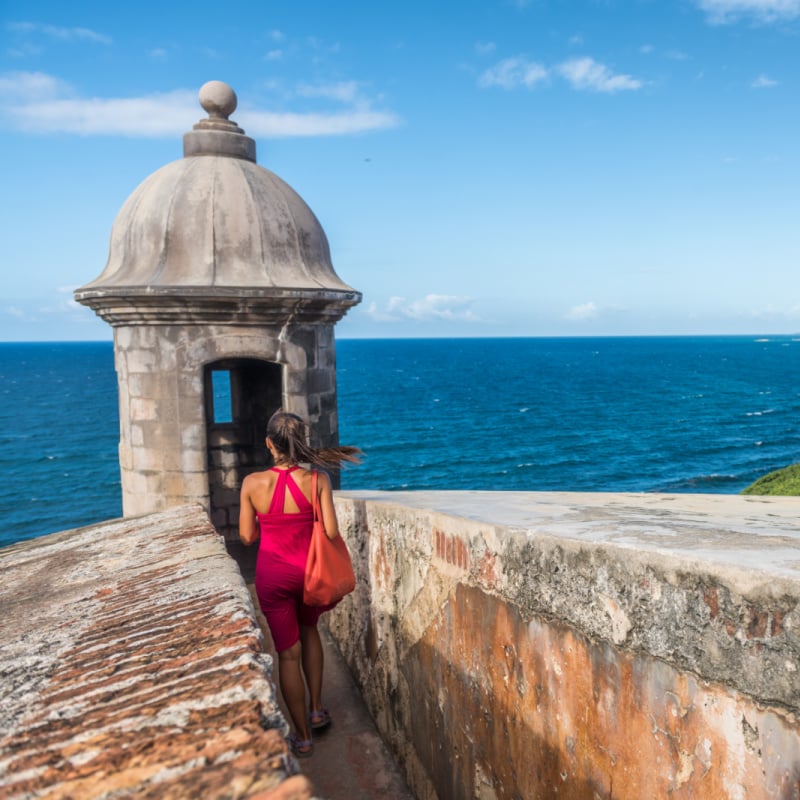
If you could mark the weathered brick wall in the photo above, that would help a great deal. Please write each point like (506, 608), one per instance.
(531, 646)
(131, 665)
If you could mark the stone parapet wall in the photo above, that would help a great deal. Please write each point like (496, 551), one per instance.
(579, 645)
(132, 666)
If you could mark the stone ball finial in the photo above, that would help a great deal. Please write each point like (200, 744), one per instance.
(217, 99)
(216, 134)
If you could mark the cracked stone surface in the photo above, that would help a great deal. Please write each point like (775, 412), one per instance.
(131, 665)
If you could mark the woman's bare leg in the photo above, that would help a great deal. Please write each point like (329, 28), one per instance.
(313, 664)
(293, 689)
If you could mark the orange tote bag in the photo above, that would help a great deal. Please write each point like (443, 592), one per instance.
(329, 570)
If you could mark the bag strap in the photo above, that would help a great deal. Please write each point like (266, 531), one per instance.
(314, 496)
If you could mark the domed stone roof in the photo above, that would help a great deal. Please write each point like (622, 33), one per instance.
(215, 223)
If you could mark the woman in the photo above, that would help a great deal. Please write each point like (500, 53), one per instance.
(278, 503)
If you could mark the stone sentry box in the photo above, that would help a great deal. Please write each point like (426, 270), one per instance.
(222, 295)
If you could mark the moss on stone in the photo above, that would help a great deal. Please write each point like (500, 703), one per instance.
(784, 481)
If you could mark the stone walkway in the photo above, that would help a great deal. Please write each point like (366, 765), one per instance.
(350, 760)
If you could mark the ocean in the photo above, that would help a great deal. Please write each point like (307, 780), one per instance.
(639, 414)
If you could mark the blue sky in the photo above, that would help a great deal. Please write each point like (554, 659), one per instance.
(481, 168)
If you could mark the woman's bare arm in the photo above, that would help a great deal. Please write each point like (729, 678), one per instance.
(326, 506)
(248, 529)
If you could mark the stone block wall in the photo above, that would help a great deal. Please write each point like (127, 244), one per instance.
(166, 455)
(514, 645)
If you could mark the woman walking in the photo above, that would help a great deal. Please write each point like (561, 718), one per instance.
(278, 504)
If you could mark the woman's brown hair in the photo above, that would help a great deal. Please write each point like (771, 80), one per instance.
(289, 436)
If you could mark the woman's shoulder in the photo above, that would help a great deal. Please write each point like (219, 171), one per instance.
(323, 479)
(262, 478)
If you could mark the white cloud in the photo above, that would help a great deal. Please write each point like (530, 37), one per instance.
(30, 86)
(583, 312)
(39, 103)
(157, 115)
(274, 55)
(484, 48)
(763, 82)
(59, 33)
(723, 12)
(586, 73)
(580, 73)
(449, 308)
(377, 315)
(513, 72)
(277, 125)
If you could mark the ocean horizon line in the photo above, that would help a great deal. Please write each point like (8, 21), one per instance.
(794, 335)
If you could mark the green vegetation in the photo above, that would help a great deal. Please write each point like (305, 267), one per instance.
(784, 481)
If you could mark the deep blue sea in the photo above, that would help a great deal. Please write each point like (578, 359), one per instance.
(664, 414)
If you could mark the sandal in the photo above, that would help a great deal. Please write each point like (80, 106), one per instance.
(319, 719)
(301, 748)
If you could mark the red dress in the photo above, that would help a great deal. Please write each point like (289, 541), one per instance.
(281, 564)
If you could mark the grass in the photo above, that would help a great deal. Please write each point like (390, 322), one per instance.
(784, 481)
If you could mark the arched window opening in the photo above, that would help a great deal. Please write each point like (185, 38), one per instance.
(240, 397)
